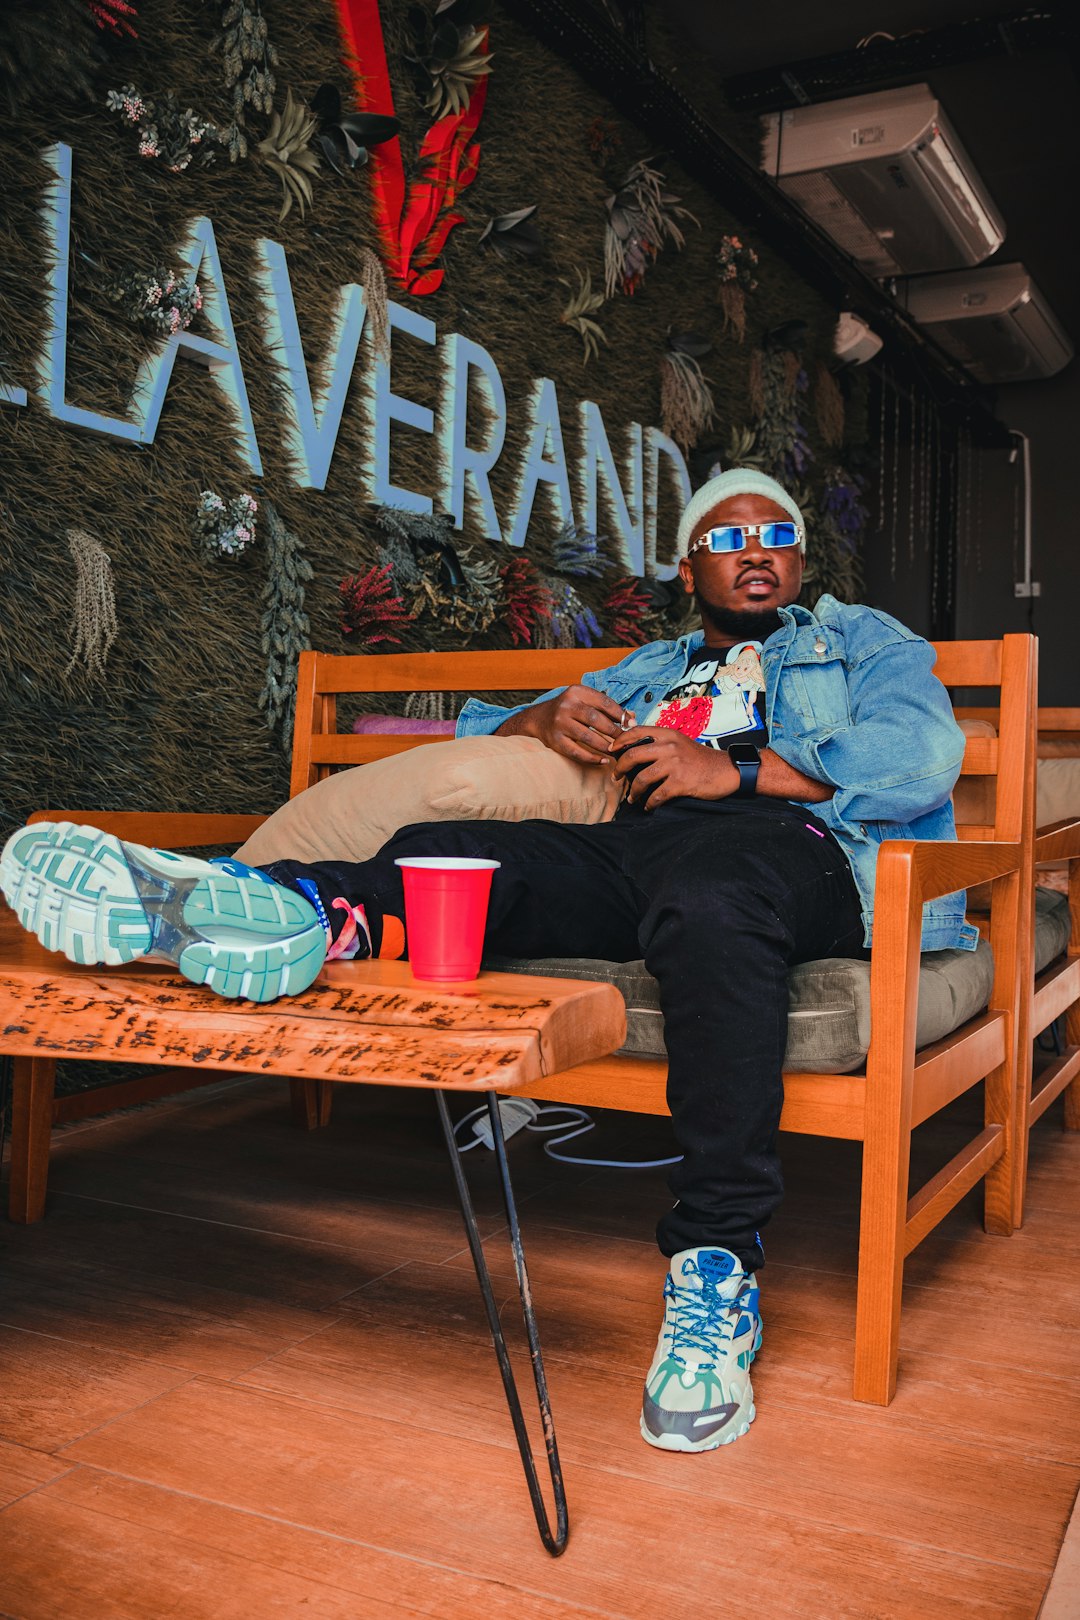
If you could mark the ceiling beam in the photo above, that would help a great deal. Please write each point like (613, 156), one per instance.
(889, 61)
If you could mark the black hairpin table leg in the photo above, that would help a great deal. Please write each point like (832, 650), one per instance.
(555, 1543)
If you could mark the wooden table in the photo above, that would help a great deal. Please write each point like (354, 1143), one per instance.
(368, 1023)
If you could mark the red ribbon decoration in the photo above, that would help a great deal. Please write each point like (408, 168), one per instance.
(414, 224)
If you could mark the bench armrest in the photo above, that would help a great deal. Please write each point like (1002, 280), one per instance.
(938, 866)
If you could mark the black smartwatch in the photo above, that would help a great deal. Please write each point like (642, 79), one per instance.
(747, 762)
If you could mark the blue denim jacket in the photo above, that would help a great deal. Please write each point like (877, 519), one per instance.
(850, 700)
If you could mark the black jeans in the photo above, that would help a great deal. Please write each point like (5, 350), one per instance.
(719, 901)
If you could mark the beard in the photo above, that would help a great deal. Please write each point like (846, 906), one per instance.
(745, 624)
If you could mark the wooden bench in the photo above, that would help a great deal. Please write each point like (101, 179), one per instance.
(897, 1088)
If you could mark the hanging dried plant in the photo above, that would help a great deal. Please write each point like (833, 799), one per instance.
(828, 407)
(642, 219)
(286, 632)
(451, 56)
(95, 604)
(373, 286)
(526, 599)
(576, 551)
(687, 408)
(737, 264)
(167, 131)
(249, 60)
(582, 305)
(287, 152)
(513, 236)
(369, 610)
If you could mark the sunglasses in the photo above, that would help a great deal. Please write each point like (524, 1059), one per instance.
(734, 536)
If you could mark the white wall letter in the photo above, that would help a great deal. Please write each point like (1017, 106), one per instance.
(387, 407)
(545, 431)
(312, 420)
(597, 467)
(460, 463)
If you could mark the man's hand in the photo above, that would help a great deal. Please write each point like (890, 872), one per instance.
(579, 723)
(661, 764)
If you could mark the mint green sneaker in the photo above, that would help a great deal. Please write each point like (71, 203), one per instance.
(697, 1390)
(98, 899)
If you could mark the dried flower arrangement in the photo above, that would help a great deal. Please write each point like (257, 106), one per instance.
(514, 235)
(687, 408)
(175, 134)
(225, 528)
(369, 609)
(158, 299)
(576, 551)
(286, 150)
(450, 54)
(642, 219)
(526, 600)
(248, 62)
(577, 315)
(737, 264)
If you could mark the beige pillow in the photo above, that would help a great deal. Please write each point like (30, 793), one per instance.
(351, 815)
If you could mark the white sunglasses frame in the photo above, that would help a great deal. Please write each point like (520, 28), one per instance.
(753, 529)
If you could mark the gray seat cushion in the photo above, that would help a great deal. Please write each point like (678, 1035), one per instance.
(1051, 926)
(829, 1009)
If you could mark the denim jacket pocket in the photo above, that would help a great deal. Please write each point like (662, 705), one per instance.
(815, 681)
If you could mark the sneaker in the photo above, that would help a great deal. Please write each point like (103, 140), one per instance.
(98, 899)
(697, 1391)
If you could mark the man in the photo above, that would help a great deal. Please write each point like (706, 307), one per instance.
(764, 759)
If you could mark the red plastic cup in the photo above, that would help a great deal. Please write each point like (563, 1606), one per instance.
(446, 905)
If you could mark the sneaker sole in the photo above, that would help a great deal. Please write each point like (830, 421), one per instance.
(85, 893)
(679, 1442)
(735, 1431)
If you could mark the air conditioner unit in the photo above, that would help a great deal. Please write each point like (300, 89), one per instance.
(886, 177)
(994, 321)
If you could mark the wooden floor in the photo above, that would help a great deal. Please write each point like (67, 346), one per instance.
(243, 1373)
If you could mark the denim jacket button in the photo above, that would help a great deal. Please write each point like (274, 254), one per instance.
(819, 646)
(862, 828)
(647, 698)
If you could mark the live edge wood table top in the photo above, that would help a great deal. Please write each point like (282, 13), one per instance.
(369, 1022)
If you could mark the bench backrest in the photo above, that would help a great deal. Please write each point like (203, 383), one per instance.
(1003, 763)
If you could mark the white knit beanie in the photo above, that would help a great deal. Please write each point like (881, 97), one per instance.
(736, 481)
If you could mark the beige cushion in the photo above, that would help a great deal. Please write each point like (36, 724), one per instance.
(352, 814)
(1057, 791)
(973, 796)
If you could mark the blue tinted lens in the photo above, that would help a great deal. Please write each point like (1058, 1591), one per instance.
(779, 534)
(729, 538)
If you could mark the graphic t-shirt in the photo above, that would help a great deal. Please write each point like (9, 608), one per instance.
(719, 699)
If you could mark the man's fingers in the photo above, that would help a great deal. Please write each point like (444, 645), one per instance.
(599, 702)
(584, 737)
